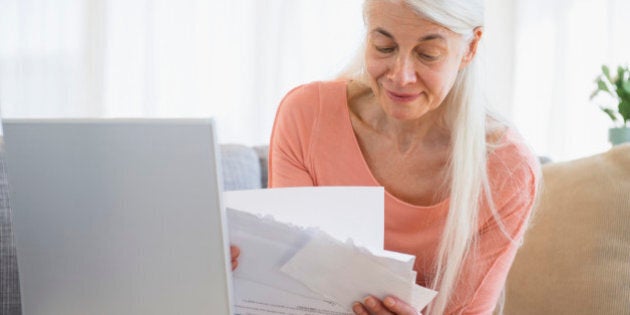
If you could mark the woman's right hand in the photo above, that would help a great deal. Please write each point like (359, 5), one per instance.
(234, 253)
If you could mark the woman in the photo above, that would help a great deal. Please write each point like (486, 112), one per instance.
(460, 185)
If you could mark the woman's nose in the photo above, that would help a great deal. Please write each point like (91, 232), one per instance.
(403, 71)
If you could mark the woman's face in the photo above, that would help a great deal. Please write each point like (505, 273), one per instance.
(412, 63)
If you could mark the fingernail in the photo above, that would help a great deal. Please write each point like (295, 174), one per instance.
(389, 302)
(370, 302)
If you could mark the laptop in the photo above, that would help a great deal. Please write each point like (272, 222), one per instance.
(118, 216)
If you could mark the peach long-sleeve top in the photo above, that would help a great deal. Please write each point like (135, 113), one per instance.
(313, 144)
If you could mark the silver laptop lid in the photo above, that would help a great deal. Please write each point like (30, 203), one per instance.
(118, 216)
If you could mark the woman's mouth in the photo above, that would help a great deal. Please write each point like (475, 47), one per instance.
(401, 97)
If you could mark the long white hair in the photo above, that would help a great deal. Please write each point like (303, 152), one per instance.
(466, 118)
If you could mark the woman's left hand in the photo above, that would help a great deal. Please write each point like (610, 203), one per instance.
(388, 306)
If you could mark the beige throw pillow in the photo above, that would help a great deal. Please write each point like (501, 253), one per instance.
(576, 254)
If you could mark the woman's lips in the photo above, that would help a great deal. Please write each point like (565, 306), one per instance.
(401, 97)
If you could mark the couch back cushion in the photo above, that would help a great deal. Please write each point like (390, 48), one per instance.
(9, 282)
(241, 167)
(576, 255)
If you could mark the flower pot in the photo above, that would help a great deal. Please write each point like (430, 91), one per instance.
(619, 135)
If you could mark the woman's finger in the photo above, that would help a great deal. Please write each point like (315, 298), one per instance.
(375, 306)
(359, 309)
(234, 251)
(397, 306)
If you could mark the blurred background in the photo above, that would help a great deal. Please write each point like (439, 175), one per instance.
(235, 59)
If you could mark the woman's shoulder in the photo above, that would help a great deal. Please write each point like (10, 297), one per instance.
(506, 146)
(512, 165)
(509, 146)
(305, 100)
(313, 92)
(301, 95)
(304, 108)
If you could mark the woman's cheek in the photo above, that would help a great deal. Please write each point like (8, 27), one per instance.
(438, 82)
(376, 68)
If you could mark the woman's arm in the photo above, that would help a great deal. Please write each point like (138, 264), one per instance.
(485, 271)
(290, 146)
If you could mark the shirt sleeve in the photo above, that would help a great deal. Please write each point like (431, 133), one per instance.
(290, 161)
(485, 272)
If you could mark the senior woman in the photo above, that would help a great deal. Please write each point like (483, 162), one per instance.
(460, 184)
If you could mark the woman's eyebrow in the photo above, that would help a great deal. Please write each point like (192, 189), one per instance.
(431, 37)
(383, 32)
(424, 38)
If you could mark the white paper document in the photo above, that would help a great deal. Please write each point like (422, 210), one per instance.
(259, 299)
(343, 212)
(266, 245)
(346, 274)
(294, 264)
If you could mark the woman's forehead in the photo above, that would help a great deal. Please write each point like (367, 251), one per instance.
(397, 15)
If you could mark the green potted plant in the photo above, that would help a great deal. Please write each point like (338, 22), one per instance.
(618, 87)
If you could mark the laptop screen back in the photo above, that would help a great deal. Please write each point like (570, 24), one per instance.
(118, 216)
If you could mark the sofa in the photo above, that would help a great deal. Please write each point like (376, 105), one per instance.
(575, 258)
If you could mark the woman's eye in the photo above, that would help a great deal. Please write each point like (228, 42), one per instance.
(385, 50)
(429, 57)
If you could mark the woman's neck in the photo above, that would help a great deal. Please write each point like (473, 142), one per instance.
(424, 133)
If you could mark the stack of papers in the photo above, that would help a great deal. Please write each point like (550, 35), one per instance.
(347, 274)
(287, 268)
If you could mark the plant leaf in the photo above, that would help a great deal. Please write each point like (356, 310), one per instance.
(626, 86)
(624, 110)
(611, 113)
(606, 72)
(602, 86)
(620, 77)
(594, 94)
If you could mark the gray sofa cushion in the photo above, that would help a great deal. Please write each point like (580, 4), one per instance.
(9, 284)
(263, 157)
(241, 167)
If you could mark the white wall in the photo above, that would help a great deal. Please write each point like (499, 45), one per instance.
(498, 54)
(235, 59)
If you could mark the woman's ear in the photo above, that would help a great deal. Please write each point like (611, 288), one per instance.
(472, 47)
